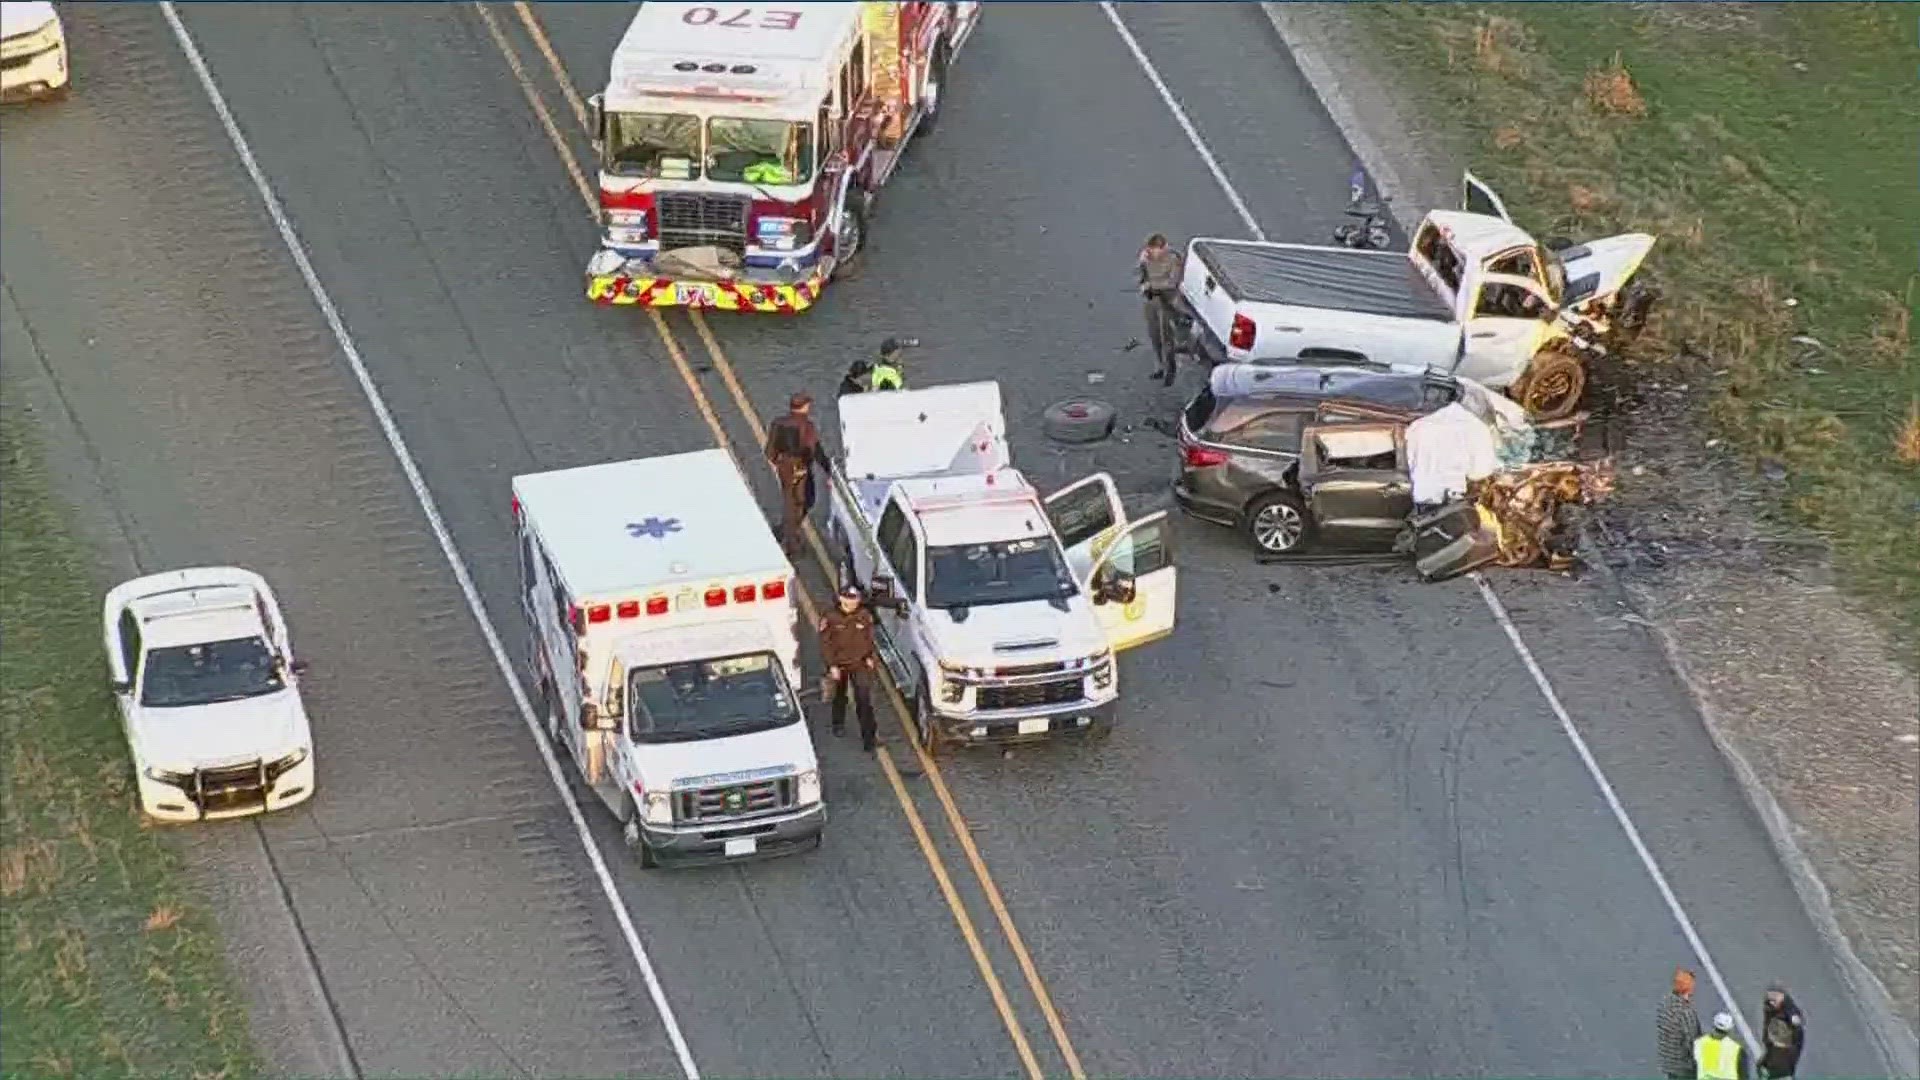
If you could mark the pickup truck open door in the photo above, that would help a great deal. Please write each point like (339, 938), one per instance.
(1125, 566)
(1477, 198)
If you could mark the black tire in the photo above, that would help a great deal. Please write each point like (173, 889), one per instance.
(1345, 235)
(1277, 524)
(936, 87)
(1078, 420)
(636, 842)
(924, 727)
(853, 223)
(1553, 385)
(552, 714)
(1379, 238)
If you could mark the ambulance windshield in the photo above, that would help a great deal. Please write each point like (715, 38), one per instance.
(710, 699)
(765, 152)
(651, 145)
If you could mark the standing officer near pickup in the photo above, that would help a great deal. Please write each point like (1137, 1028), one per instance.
(793, 449)
(846, 641)
(1159, 277)
(886, 373)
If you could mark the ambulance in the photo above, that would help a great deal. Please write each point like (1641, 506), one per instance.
(661, 643)
(740, 148)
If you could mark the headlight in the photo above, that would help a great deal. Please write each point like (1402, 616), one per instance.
(626, 226)
(809, 787)
(276, 769)
(783, 233)
(658, 809)
(182, 780)
(1103, 673)
(952, 690)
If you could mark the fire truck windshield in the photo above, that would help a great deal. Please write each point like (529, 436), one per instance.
(759, 151)
(653, 145)
(710, 699)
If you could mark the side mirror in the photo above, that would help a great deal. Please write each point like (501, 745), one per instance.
(120, 686)
(880, 590)
(1115, 589)
(589, 716)
(597, 119)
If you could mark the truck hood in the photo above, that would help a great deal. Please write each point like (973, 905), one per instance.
(198, 736)
(1002, 635)
(734, 759)
(1614, 261)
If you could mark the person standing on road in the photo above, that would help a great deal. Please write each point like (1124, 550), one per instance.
(886, 373)
(1783, 1034)
(846, 641)
(1677, 1027)
(859, 374)
(1159, 268)
(1717, 1055)
(793, 449)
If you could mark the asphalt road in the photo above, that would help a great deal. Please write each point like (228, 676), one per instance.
(1342, 832)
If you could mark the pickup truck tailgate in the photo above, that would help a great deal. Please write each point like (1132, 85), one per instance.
(1340, 279)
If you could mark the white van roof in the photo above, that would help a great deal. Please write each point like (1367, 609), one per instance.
(627, 526)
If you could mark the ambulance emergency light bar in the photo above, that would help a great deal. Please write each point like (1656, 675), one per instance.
(684, 600)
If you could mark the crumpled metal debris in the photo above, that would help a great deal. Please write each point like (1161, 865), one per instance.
(1528, 508)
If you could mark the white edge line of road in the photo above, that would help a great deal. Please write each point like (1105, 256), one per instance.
(424, 497)
(1493, 603)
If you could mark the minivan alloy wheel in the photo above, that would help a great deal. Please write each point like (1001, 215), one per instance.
(1277, 527)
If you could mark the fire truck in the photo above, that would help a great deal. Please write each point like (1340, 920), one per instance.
(740, 148)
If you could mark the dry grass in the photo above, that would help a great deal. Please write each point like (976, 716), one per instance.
(90, 900)
(1610, 91)
(1906, 442)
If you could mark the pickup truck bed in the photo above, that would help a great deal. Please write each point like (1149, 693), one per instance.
(1341, 279)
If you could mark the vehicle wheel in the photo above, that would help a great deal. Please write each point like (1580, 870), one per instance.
(934, 88)
(552, 712)
(1078, 420)
(850, 230)
(636, 843)
(924, 726)
(1379, 238)
(1344, 234)
(1277, 523)
(1552, 387)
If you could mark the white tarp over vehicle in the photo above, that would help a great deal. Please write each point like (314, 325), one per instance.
(1462, 442)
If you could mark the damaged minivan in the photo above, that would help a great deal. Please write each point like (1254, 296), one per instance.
(1311, 463)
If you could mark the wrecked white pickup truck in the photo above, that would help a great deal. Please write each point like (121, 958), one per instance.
(1474, 296)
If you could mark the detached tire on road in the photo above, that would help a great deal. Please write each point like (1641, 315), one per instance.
(1553, 385)
(1078, 420)
(1277, 524)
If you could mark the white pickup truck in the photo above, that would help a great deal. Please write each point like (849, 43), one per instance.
(1000, 612)
(1473, 296)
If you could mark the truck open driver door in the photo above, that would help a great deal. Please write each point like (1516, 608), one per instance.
(1125, 566)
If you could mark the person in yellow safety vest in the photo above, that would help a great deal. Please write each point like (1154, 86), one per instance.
(767, 171)
(886, 373)
(1717, 1055)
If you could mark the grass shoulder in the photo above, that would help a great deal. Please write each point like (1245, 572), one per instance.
(1770, 147)
(110, 968)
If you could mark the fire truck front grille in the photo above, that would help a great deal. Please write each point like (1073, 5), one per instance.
(1031, 695)
(703, 220)
(734, 801)
(232, 787)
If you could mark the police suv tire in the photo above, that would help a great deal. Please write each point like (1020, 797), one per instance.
(1078, 420)
(1273, 515)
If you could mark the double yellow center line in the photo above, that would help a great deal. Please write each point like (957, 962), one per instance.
(943, 794)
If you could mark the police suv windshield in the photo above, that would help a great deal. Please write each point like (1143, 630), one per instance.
(759, 151)
(651, 145)
(184, 675)
(1005, 572)
(709, 699)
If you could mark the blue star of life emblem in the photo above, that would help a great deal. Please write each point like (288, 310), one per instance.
(653, 528)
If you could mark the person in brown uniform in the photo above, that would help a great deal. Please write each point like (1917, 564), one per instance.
(846, 640)
(793, 449)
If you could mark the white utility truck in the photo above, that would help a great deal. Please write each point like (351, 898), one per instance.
(1474, 296)
(661, 639)
(999, 611)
